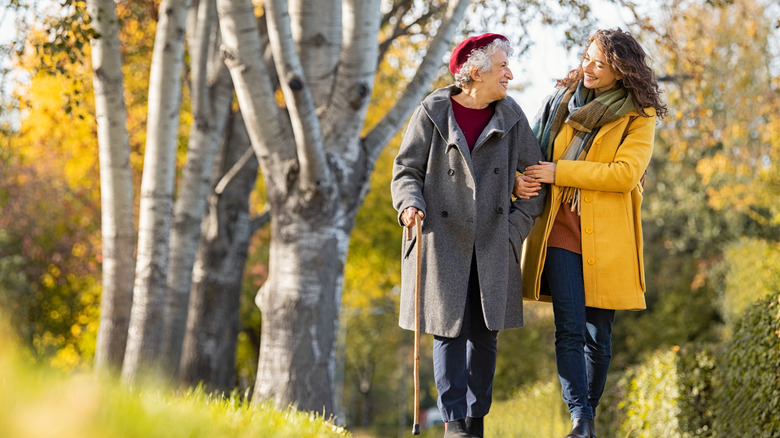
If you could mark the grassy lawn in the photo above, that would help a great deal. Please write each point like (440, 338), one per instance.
(42, 403)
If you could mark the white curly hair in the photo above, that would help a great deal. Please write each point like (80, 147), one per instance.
(480, 58)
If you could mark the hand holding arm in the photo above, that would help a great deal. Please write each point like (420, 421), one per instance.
(526, 187)
(543, 172)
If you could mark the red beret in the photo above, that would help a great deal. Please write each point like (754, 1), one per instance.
(460, 54)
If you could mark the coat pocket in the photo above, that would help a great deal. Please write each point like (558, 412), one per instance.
(515, 251)
(408, 245)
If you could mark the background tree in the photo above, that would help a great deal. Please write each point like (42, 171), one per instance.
(118, 228)
(709, 180)
(145, 332)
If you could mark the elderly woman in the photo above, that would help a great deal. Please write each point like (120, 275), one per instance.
(456, 169)
(585, 253)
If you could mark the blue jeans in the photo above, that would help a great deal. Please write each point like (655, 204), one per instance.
(463, 367)
(583, 335)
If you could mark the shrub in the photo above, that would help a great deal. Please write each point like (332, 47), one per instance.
(747, 401)
(752, 272)
(666, 396)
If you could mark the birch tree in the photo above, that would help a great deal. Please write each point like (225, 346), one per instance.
(156, 206)
(316, 166)
(211, 91)
(116, 187)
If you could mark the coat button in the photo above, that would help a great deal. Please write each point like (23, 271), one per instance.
(591, 261)
(450, 172)
(589, 230)
(500, 210)
(444, 214)
(587, 198)
(496, 170)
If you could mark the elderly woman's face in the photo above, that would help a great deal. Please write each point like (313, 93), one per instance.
(495, 82)
(597, 74)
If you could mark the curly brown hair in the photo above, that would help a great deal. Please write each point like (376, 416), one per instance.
(626, 56)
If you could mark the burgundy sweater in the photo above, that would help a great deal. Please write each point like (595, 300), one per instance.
(471, 121)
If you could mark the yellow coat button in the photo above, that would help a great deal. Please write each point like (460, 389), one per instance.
(587, 198)
(591, 261)
(589, 230)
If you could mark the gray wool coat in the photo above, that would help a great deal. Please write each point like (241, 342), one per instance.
(466, 199)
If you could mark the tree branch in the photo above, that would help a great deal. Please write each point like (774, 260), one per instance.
(400, 30)
(398, 9)
(378, 137)
(230, 175)
(306, 126)
(243, 55)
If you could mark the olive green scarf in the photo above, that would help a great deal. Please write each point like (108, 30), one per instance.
(578, 107)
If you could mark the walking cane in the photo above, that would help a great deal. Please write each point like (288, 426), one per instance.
(418, 227)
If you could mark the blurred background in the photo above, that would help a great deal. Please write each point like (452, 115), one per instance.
(711, 220)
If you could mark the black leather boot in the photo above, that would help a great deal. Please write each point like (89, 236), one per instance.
(475, 426)
(582, 428)
(457, 429)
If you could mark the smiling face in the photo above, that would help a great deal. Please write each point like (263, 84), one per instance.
(597, 74)
(492, 85)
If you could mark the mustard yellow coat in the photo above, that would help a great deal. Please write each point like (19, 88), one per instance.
(610, 221)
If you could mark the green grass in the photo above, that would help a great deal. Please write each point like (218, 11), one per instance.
(36, 402)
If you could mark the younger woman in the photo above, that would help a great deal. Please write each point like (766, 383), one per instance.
(585, 252)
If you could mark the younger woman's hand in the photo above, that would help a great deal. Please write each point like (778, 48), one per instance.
(543, 172)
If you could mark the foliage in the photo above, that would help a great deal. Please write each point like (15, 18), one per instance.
(50, 220)
(752, 272)
(668, 395)
(725, 107)
(748, 399)
(36, 401)
(730, 389)
(713, 177)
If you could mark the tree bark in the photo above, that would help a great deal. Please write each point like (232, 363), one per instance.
(211, 96)
(116, 188)
(300, 305)
(145, 331)
(212, 327)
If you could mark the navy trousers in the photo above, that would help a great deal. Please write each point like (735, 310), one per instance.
(464, 366)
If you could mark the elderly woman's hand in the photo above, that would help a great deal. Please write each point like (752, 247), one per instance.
(526, 187)
(543, 172)
(407, 217)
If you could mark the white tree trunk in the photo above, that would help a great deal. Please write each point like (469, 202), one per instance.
(300, 304)
(145, 332)
(211, 97)
(116, 187)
